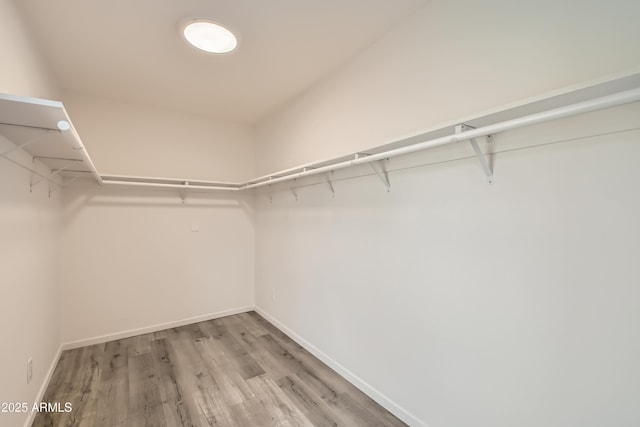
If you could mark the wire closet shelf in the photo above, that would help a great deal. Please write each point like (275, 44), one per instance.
(50, 116)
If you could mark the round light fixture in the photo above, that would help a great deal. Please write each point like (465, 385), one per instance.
(210, 37)
(63, 125)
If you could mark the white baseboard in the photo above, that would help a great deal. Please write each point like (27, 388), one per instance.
(154, 328)
(43, 387)
(367, 389)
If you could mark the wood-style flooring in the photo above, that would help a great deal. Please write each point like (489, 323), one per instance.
(235, 371)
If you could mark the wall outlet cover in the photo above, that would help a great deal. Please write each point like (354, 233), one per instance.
(29, 370)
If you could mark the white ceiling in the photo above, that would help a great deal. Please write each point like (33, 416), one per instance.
(133, 49)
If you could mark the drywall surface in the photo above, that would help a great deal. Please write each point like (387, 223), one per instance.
(29, 318)
(130, 139)
(130, 259)
(22, 71)
(470, 305)
(450, 60)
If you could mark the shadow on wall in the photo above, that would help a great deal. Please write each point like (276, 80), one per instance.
(87, 195)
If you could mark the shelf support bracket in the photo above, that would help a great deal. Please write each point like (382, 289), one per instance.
(183, 192)
(293, 191)
(64, 167)
(54, 172)
(33, 183)
(69, 181)
(21, 146)
(479, 154)
(327, 178)
(270, 194)
(382, 173)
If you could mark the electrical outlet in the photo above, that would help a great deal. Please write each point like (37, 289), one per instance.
(194, 227)
(273, 294)
(29, 370)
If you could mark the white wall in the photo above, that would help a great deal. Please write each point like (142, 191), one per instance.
(29, 318)
(450, 60)
(471, 305)
(131, 261)
(22, 72)
(452, 302)
(29, 229)
(132, 139)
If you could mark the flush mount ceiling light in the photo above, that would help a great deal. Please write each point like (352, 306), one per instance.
(209, 36)
(63, 125)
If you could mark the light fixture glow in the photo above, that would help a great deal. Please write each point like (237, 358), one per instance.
(210, 37)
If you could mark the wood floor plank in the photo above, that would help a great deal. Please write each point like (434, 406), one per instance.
(235, 371)
(203, 396)
(282, 411)
(269, 361)
(221, 368)
(144, 393)
(245, 320)
(311, 405)
(114, 385)
(251, 412)
(78, 386)
(114, 406)
(244, 363)
(173, 403)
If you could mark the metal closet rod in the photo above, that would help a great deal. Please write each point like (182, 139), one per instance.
(608, 101)
(235, 187)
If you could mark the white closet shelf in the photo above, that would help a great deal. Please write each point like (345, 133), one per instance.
(21, 117)
(600, 95)
(43, 130)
